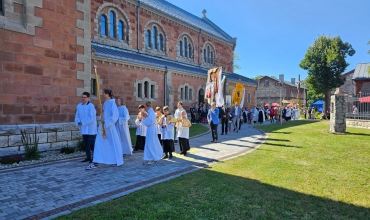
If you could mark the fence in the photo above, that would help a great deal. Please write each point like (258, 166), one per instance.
(358, 106)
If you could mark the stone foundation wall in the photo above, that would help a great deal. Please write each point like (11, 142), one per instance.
(51, 136)
(358, 123)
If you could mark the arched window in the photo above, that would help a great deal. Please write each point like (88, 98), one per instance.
(181, 48)
(112, 25)
(208, 55)
(146, 89)
(154, 36)
(185, 47)
(160, 42)
(211, 57)
(186, 93)
(205, 56)
(249, 97)
(147, 38)
(190, 51)
(121, 30)
(103, 25)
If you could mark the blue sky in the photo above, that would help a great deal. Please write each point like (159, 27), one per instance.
(274, 35)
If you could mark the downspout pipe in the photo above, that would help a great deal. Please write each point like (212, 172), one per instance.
(165, 86)
(138, 26)
(199, 52)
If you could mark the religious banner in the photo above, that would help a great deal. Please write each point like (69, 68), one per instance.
(228, 100)
(242, 102)
(214, 87)
(238, 93)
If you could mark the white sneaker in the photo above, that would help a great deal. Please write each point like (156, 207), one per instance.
(91, 166)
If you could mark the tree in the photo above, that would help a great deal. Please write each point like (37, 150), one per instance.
(258, 77)
(236, 59)
(325, 61)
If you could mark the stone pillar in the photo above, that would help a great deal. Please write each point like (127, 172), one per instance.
(170, 96)
(337, 112)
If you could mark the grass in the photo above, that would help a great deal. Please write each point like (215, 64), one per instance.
(300, 172)
(194, 130)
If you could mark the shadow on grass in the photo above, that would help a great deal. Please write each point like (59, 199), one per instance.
(358, 134)
(207, 194)
(272, 128)
(280, 145)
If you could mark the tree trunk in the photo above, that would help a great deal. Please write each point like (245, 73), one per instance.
(326, 104)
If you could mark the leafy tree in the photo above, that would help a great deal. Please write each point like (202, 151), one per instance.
(258, 77)
(325, 61)
(236, 59)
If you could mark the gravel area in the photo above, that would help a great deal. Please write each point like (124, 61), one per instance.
(46, 156)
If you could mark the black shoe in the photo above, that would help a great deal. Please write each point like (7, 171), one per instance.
(175, 141)
(86, 160)
(170, 156)
(182, 153)
(226, 133)
(223, 133)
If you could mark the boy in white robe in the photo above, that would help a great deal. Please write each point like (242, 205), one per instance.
(178, 116)
(108, 148)
(122, 126)
(167, 124)
(153, 150)
(140, 132)
(183, 126)
(85, 119)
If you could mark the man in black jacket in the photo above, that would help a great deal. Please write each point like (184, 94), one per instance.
(225, 117)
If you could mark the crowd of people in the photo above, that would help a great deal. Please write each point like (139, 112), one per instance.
(107, 143)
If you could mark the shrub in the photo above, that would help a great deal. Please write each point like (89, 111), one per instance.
(31, 145)
(80, 145)
(67, 150)
(10, 159)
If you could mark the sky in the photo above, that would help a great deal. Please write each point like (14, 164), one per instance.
(274, 35)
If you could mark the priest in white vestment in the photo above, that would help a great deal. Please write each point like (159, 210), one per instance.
(108, 149)
(122, 126)
(153, 150)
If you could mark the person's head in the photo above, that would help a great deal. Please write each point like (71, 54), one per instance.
(224, 105)
(141, 108)
(183, 114)
(166, 110)
(85, 97)
(120, 101)
(213, 105)
(148, 104)
(354, 106)
(108, 93)
(236, 104)
(179, 105)
(158, 111)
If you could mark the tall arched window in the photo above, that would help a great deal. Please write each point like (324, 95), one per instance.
(186, 93)
(185, 47)
(154, 36)
(190, 51)
(181, 48)
(103, 25)
(205, 55)
(208, 55)
(121, 30)
(112, 25)
(147, 38)
(160, 42)
(146, 89)
(211, 57)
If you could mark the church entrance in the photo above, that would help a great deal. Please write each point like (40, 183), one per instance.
(201, 96)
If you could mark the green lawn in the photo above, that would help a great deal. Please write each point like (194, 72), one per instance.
(300, 172)
(194, 130)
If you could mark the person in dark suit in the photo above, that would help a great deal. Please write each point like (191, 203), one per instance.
(236, 112)
(225, 117)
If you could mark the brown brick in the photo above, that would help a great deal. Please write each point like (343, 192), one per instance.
(62, 9)
(65, 29)
(60, 100)
(60, 82)
(51, 53)
(41, 12)
(6, 35)
(74, 100)
(68, 109)
(76, 83)
(13, 47)
(43, 100)
(80, 67)
(50, 109)
(33, 50)
(72, 65)
(68, 56)
(69, 21)
(42, 43)
(23, 38)
(69, 91)
(56, 36)
(23, 78)
(6, 56)
(12, 67)
(41, 80)
(32, 89)
(6, 98)
(36, 70)
(13, 109)
(6, 119)
(32, 109)
(69, 39)
(24, 119)
(64, 64)
(79, 32)
(49, 5)
(23, 58)
(51, 90)
(13, 88)
(53, 16)
(52, 72)
(60, 118)
(80, 49)
(68, 74)
(22, 99)
(44, 61)
(72, 48)
(69, 3)
(51, 25)
(42, 33)
(59, 45)
(43, 118)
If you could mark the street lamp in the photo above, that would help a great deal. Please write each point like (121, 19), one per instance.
(280, 85)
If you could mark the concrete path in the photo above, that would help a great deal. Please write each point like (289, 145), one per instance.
(49, 190)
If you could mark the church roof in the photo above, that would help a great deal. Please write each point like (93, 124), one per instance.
(361, 71)
(173, 11)
(135, 57)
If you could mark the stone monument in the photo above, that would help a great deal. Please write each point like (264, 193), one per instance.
(338, 112)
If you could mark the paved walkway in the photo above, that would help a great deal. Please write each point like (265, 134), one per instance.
(49, 190)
